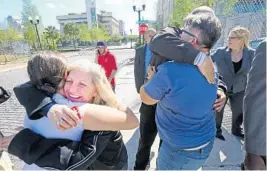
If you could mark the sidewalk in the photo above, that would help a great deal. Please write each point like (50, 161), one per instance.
(226, 155)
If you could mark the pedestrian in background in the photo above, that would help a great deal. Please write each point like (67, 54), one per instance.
(255, 112)
(108, 61)
(234, 62)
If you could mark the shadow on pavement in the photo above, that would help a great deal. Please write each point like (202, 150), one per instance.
(226, 154)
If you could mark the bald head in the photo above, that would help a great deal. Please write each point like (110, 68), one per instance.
(149, 34)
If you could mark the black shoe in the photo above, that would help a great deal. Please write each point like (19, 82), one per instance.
(220, 136)
(243, 166)
(240, 135)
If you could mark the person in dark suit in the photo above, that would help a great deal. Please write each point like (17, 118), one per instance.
(234, 62)
(255, 112)
(148, 128)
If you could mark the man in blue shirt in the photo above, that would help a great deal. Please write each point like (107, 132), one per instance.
(184, 115)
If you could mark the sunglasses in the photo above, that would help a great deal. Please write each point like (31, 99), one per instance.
(192, 35)
(187, 32)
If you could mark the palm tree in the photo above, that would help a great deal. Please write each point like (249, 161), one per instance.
(52, 35)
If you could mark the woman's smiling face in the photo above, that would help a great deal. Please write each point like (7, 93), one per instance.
(79, 86)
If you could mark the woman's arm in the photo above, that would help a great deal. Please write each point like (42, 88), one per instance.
(98, 117)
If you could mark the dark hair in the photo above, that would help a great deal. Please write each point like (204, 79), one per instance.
(46, 71)
(209, 26)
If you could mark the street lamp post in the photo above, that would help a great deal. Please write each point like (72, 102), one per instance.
(35, 24)
(45, 34)
(139, 16)
(131, 38)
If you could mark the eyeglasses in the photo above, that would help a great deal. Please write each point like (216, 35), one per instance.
(192, 35)
(187, 32)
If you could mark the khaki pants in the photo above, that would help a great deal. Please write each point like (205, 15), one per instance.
(5, 162)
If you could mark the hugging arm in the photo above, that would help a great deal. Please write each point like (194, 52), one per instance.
(168, 45)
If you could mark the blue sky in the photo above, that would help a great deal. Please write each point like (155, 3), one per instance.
(49, 9)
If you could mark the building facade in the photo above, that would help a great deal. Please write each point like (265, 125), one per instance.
(122, 28)
(109, 22)
(94, 19)
(71, 17)
(15, 22)
(164, 11)
(91, 14)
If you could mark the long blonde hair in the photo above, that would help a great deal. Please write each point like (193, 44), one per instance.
(242, 33)
(104, 91)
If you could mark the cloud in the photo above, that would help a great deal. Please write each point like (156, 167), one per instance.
(62, 6)
(50, 5)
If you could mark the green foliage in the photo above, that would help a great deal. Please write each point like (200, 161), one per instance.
(10, 34)
(99, 34)
(51, 36)
(116, 38)
(184, 7)
(84, 33)
(72, 32)
(30, 34)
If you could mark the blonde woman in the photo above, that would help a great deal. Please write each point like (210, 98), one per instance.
(84, 82)
(233, 63)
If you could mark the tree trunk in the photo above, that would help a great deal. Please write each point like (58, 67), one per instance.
(54, 48)
(74, 44)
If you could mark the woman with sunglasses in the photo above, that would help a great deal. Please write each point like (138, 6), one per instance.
(233, 63)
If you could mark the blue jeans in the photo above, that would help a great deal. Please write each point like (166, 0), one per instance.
(177, 159)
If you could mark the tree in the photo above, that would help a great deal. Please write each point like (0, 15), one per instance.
(84, 33)
(52, 36)
(99, 34)
(116, 38)
(30, 34)
(72, 31)
(9, 34)
(183, 7)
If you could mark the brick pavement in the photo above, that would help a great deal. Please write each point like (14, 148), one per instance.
(12, 114)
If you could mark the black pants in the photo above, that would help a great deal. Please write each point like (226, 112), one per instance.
(254, 162)
(148, 133)
(236, 102)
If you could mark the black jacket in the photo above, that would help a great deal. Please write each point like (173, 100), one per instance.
(97, 150)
